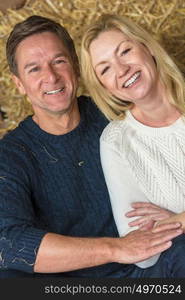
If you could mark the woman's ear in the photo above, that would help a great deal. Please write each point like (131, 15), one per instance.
(18, 84)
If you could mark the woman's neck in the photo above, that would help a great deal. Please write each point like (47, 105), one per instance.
(156, 114)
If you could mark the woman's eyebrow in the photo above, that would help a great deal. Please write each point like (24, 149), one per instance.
(115, 51)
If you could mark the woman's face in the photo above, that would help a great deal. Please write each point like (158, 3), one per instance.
(124, 67)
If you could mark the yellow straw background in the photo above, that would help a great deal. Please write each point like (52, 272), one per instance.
(164, 19)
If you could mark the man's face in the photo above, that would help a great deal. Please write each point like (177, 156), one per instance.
(45, 73)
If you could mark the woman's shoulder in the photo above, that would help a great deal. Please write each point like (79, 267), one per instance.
(113, 130)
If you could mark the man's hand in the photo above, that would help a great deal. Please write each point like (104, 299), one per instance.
(56, 252)
(139, 245)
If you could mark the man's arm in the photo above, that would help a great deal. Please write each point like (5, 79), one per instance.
(59, 253)
(20, 230)
(26, 247)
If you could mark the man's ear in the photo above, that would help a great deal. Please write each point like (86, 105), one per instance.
(18, 84)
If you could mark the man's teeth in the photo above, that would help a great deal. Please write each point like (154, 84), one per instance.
(54, 91)
(132, 79)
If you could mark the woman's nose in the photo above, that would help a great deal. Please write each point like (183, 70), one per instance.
(121, 69)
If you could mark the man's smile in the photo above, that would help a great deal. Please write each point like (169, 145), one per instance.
(54, 91)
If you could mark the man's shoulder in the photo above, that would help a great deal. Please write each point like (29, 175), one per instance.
(90, 110)
(87, 103)
(15, 136)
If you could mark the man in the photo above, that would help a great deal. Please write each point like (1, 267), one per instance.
(55, 215)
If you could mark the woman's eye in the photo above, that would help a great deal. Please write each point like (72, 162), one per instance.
(59, 61)
(125, 51)
(104, 70)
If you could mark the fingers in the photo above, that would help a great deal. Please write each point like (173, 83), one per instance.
(144, 220)
(161, 243)
(160, 248)
(167, 226)
(144, 204)
(141, 212)
(148, 210)
(147, 226)
(139, 245)
(137, 222)
(162, 238)
(140, 208)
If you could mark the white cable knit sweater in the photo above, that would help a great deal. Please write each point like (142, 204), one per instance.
(143, 163)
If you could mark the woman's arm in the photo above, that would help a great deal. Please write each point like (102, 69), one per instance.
(122, 186)
(175, 218)
(123, 190)
(150, 215)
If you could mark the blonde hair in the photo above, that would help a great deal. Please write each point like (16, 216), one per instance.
(112, 107)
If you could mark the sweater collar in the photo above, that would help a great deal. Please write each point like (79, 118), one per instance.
(29, 125)
(154, 130)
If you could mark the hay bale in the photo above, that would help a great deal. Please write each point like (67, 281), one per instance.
(14, 4)
(164, 19)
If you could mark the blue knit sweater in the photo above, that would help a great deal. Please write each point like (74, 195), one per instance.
(52, 183)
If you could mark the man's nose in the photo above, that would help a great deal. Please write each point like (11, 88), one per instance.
(50, 74)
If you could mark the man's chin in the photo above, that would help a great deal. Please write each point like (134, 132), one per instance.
(60, 110)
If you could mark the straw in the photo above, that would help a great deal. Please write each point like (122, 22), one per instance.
(164, 19)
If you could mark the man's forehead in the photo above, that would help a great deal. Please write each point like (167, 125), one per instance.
(42, 43)
(41, 38)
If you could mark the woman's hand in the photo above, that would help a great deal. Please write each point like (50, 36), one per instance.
(148, 214)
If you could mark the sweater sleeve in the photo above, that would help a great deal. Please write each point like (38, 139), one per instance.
(20, 235)
(123, 190)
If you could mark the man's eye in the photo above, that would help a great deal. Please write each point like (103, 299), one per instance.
(35, 69)
(104, 70)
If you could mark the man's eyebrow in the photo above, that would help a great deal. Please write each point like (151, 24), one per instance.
(34, 63)
(60, 54)
(115, 51)
(30, 65)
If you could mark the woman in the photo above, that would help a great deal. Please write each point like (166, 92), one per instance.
(139, 88)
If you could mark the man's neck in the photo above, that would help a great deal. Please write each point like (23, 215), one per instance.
(60, 123)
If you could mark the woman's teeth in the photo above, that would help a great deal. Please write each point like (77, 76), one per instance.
(132, 79)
